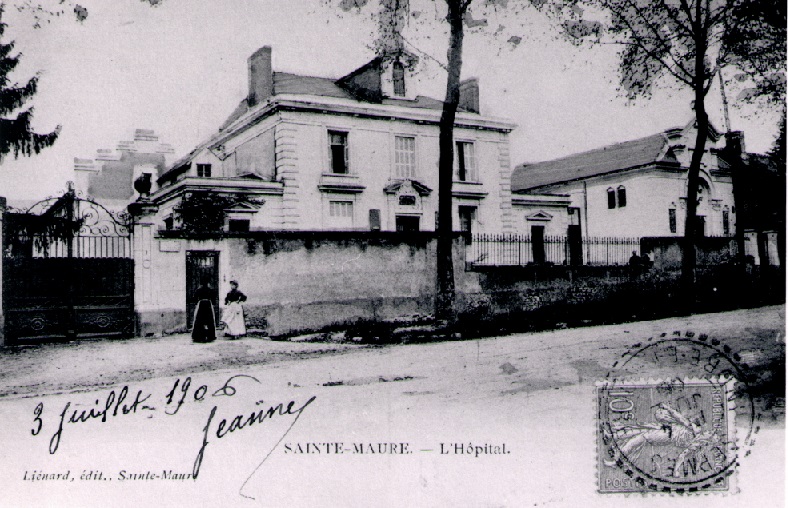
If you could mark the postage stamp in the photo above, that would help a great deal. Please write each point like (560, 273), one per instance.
(674, 435)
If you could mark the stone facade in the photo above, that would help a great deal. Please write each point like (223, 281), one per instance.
(317, 154)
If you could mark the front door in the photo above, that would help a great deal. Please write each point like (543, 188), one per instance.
(407, 223)
(537, 237)
(700, 226)
(202, 267)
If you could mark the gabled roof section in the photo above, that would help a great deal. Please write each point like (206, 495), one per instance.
(620, 156)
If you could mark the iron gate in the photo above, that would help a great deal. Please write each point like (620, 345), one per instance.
(68, 271)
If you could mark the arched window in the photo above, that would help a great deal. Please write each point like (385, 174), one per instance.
(622, 196)
(611, 198)
(399, 79)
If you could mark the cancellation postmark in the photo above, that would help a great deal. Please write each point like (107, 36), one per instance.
(675, 435)
(668, 411)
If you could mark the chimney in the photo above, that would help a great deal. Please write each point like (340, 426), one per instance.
(734, 143)
(261, 77)
(469, 95)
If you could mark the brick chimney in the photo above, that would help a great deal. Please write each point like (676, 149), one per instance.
(261, 76)
(469, 95)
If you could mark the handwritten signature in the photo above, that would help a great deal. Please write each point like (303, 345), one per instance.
(118, 404)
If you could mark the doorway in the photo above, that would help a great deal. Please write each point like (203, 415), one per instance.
(202, 266)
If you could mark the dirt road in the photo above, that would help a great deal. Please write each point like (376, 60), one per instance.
(506, 421)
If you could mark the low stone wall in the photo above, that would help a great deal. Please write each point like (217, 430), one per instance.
(666, 252)
(512, 299)
(298, 282)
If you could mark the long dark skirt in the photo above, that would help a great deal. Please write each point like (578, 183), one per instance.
(204, 324)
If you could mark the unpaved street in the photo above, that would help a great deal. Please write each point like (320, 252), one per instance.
(368, 426)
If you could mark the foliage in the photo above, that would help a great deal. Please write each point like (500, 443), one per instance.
(777, 153)
(202, 212)
(756, 45)
(16, 134)
(25, 229)
(205, 211)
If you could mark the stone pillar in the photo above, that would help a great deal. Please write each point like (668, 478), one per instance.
(2, 258)
(751, 246)
(143, 213)
(771, 248)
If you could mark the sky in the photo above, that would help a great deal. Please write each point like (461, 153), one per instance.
(180, 69)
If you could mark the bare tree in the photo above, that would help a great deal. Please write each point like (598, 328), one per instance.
(684, 41)
(456, 17)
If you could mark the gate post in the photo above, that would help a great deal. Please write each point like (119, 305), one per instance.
(143, 213)
(2, 261)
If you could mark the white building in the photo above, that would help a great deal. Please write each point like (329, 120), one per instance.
(636, 188)
(355, 153)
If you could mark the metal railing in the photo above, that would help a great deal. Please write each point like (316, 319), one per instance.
(520, 250)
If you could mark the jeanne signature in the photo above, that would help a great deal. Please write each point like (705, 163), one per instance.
(240, 422)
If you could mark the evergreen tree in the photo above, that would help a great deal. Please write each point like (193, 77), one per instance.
(16, 133)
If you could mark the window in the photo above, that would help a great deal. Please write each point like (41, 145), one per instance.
(342, 209)
(338, 153)
(622, 196)
(405, 157)
(204, 170)
(238, 225)
(169, 223)
(672, 219)
(467, 217)
(465, 162)
(398, 71)
(726, 223)
(407, 223)
(611, 198)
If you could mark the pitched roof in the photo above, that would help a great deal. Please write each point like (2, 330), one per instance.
(617, 157)
(294, 84)
(285, 83)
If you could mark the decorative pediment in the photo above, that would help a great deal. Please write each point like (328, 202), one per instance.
(539, 216)
(245, 206)
(250, 176)
(403, 186)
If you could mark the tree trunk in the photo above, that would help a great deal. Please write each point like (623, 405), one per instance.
(444, 301)
(693, 176)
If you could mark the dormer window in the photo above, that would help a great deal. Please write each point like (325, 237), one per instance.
(204, 170)
(398, 71)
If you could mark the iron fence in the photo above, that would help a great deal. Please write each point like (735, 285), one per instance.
(520, 250)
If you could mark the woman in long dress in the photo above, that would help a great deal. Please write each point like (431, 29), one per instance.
(233, 316)
(204, 329)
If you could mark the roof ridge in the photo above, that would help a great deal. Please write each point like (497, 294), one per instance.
(596, 150)
(306, 76)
